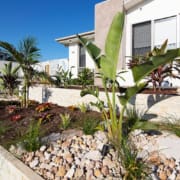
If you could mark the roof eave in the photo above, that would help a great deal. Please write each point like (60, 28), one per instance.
(74, 39)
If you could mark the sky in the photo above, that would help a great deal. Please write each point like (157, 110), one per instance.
(45, 20)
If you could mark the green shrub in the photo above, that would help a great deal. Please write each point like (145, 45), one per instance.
(89, 125)
(65, 119)
(3, 128)
(135, 168)
(83, 107)
(32, 137)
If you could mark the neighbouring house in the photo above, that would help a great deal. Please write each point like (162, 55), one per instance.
(51, 66)
(147, 24)
(78, 56)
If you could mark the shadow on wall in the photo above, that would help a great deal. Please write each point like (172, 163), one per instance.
(46, 93)
(151, 101)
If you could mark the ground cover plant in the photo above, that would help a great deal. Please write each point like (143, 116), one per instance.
(18, 123)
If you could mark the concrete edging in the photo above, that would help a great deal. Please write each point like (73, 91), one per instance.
(12, 168)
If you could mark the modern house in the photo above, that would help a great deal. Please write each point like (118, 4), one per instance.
(78, 56)
(148, 23)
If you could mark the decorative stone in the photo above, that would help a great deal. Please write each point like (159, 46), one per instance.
(154, 158)
(12, 149)
(42, 148)
(61, 171)
(34, 163)
(68, 158)
(70, 173)
(93, 155)
(78, 173)
(162, 175)
(47, 155)
(30, 157)
(105, 170)
(178, 176)
(172, 163)
(97, 173)
(108, 162)
(66, 144)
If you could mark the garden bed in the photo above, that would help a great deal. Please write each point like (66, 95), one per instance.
(14, 125)
(74, 155)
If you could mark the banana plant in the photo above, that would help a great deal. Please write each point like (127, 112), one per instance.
(107, 66)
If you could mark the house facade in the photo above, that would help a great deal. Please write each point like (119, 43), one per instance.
(147, 24)
(78, 56)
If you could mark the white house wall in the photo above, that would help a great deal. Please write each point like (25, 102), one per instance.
(151, 10)
(89, 62)
(53, 65)
(73, 59)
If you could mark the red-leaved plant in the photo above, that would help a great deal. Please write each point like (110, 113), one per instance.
(16, 117)
(43, 107)
(11, 109)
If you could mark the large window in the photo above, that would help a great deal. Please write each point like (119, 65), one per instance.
(141, 38)
(165, 29)
(82, 57)
(146, 35)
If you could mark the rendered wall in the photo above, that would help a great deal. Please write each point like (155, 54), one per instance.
(13, 169)
(104, 13)
(164, 105)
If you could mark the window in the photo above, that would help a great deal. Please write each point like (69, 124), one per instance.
(165, 29)
(82, 57)
(141, 38)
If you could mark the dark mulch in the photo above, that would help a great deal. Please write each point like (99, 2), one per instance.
(15, 130)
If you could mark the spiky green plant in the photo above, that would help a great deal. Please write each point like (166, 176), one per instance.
(65, 120)
(31, 139)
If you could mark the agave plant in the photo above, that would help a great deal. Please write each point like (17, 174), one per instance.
(107, 66)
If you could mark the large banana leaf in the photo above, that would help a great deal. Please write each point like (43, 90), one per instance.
(109, 62)
(130, 92)
(92, 49)
(141, 71)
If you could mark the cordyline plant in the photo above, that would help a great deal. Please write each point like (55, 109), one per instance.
(107, 66)
(157, 76)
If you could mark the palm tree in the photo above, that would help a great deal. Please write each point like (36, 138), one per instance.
(9, 77)
(26, 55)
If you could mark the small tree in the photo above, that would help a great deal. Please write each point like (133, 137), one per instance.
(26, 55)
(9, 78)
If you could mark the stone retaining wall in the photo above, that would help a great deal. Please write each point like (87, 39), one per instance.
(162, 105)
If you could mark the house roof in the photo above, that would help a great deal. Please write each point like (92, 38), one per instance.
(74, 39)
